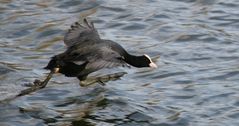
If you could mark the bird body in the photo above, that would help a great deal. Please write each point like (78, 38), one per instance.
(87, 52)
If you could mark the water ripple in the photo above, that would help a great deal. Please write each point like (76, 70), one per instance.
(194, 43)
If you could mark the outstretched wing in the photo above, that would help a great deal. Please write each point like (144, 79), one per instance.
(81, 33)
(98, 56)
(106, 58)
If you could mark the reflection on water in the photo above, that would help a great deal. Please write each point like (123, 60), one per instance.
(194, 42)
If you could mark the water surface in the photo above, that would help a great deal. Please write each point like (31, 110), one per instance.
(196, 82)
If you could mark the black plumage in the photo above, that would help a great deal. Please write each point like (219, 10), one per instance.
(87, 52)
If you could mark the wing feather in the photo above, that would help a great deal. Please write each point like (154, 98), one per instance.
(104, 57)
(97, 57)
(81, 33)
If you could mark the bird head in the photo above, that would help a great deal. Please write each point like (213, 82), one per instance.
(148, 61)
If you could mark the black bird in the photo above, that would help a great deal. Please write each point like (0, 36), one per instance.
(87, 52)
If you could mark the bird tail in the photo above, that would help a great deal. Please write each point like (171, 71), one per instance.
(69, 69)
(51, 64)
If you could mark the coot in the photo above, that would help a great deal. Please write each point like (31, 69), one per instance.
(87, 52)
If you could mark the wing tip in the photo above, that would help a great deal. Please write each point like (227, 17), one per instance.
(86, 24)
(89, 24)
(73, 34)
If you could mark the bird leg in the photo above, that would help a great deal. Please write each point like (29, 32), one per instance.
(87, 82)
(38, 84)
(43, 84)
(102, 79)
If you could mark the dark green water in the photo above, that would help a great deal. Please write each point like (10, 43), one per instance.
(196, 84)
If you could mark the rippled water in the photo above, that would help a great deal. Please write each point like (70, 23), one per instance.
(196, 82)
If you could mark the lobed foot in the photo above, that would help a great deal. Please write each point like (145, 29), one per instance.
(35, 83)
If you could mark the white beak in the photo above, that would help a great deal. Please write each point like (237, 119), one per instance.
(153, 65)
